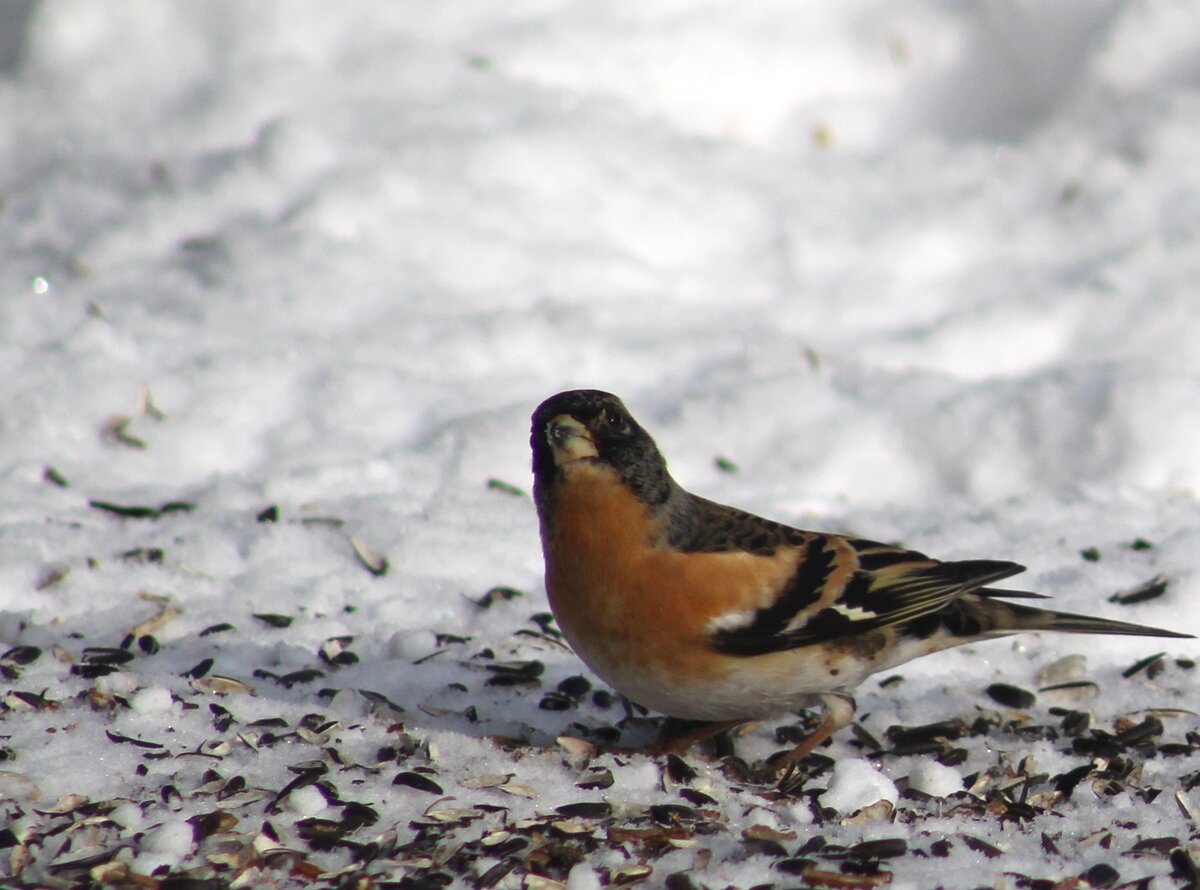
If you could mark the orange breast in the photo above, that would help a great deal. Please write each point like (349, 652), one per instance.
(618, 596)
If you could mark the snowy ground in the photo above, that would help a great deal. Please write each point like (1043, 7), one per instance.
(293, 275)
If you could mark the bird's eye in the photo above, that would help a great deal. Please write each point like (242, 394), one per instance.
(611, 419)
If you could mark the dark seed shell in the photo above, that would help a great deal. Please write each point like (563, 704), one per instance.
(699, 798)
(1141, 664)
(21, 655)
(1011, 696)
(1155, 846)
(600, 778)
(586, 809)
(1147, 590)
(981, 846)
(417, 782)
(1147, 729)
(555, 701)
(278, 621)
(105, 655)
(944, 729)
(199, 670)
(575, 687)
(92, 671)
(124, 739)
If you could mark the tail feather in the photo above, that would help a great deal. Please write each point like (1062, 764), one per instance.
(1029, 618)
(1008, 594)
(983, 614)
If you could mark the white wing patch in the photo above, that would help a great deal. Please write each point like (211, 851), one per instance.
(854, 613)
(732, 621)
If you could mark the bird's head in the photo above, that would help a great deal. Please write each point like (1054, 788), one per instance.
(593, 426)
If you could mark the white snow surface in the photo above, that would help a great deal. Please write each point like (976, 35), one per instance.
(924, 271)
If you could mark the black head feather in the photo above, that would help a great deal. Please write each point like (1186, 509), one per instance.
(620, 443)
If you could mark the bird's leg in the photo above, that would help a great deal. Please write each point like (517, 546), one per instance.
(839, 711)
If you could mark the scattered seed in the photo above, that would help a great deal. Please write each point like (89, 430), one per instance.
(981, 846)
(884, 848)
(21, 655)
(795, 866)
(133, 511)
(19, 699)
(1077, 689)
(92, 671)
(519, 790)
(373, 561)
(697, 798)
(494, 780)
(52, 576)
(1154, 846)
(104, 655)
(555, 701)
(505, 487)
(598, 779)
(496, 873)
(585, 810)
(497, 594)
(512, 673)
(1147, 729)
(576, 687)
(417, 782)
(679, 770)
(941, 848)
(379, 700)
(332, 521)
(1076, 722)
(1011, 696)
(1141, 664)
(864, 738)
(1091, 554)
(1101, 875)
(274, 620)
(953, 757)
(1187, 807)
(54, 477)
(218, 685)
(680, 880)
(164, 613)
(116, 429)
(223, 627)
(766, 833)
(1183, 867)
(335, 652)
(119, 739)
(630, 874)
(199, 670)
(943, 729)
(1147, 590)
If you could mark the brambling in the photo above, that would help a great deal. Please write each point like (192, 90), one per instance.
(708, 613)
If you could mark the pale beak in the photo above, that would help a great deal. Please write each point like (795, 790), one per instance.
(570, 440)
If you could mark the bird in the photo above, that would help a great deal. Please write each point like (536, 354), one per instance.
(715, 616)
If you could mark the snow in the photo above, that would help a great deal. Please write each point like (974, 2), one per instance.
(934, 779)
(855, 785)
(293, 276)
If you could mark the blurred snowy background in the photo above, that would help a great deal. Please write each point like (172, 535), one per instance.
(279, 278)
